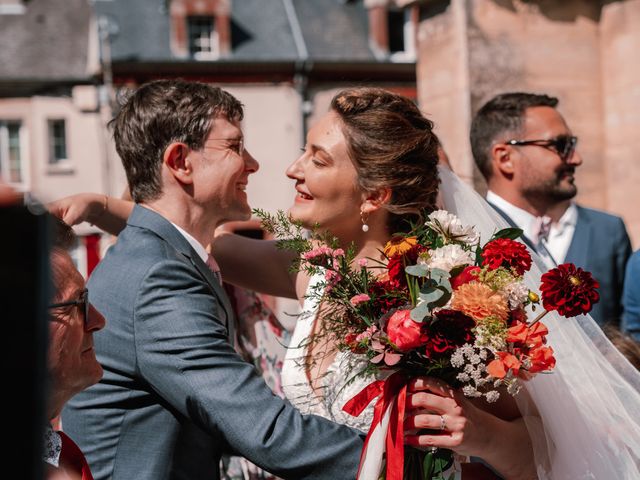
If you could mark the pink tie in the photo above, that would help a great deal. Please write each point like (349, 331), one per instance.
(542, 228)
(214, 267)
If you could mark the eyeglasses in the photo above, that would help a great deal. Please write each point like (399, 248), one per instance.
(234, 144)
(82, 302)
(563, 145)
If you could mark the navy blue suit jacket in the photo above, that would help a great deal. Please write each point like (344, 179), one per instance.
(175, 395)
(601, 245)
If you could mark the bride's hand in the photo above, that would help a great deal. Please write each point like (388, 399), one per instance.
(451, 420)
(75, 209)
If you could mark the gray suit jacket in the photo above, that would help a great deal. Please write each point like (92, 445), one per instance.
(601, 245)
(175, 395)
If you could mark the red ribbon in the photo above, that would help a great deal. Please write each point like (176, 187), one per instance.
(392, 391)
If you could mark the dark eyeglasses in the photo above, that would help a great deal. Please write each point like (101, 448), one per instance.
(82, 302)
(564, 145)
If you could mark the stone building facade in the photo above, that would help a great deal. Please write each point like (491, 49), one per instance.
(582, 51)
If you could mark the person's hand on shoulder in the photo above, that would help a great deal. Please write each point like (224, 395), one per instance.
(82, 207)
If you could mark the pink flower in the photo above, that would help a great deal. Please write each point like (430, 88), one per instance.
(332, 277)
(317, 252)
(405, 333)
(362, 262)
(357, 299)
(367, 334)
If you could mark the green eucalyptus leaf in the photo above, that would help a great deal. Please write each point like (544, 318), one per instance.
(442, 301)
(419, 313)
(439, 275)
(417, 270)
(431, 296)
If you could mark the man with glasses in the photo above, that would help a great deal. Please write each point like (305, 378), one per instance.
(175, 395)
(527, 154)
(72, 363)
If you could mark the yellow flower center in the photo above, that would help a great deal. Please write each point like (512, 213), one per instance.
(575, 281)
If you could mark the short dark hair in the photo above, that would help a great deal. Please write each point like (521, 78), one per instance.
(391, 144)
(63, 235)
(63, 239)
(500, 116)
(160, 113)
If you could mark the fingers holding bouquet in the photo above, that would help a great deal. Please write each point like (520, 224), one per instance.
(440, 416)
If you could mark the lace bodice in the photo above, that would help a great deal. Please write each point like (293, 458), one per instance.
(339, 384)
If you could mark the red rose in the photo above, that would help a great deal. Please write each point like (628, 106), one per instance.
(451, 330)
(467, 275)
(405, 333)
(569, 290)
(504, 252)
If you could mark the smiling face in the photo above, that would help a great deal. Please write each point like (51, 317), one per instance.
(326, 180)
(222, 169)
(540, 171)
(72, 359)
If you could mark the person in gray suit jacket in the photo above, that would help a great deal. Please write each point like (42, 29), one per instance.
(527, 154)
(175, 395)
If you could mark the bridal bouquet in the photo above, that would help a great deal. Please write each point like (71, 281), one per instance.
(441, 304)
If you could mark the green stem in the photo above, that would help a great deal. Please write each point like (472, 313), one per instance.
(538, 318)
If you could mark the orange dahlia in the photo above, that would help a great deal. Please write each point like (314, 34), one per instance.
(399, 245)
(479, 301)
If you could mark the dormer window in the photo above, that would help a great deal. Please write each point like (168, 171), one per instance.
(401, 27)
(204, 42)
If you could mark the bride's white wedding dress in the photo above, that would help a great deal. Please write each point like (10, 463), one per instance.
(339, 384)
(583, 418)
(336, 389)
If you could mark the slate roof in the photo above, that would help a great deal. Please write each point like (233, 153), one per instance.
(333, 30)
(49, 42)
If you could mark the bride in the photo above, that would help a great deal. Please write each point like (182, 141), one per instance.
(368, 165)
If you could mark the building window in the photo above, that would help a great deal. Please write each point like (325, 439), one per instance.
(204, 43)
(11, 164)
(57, 142)
(401, 28)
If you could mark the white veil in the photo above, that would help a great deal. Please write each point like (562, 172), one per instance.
(589, 406)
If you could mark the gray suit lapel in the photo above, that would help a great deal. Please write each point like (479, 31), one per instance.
(508, 219)
(579, 248)
(144, 218)
(218, 290)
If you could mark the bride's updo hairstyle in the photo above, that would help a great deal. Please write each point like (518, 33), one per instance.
(392, 145)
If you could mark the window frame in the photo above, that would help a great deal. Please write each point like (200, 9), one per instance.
(5, 160)
(193, 42)
(53, 161)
